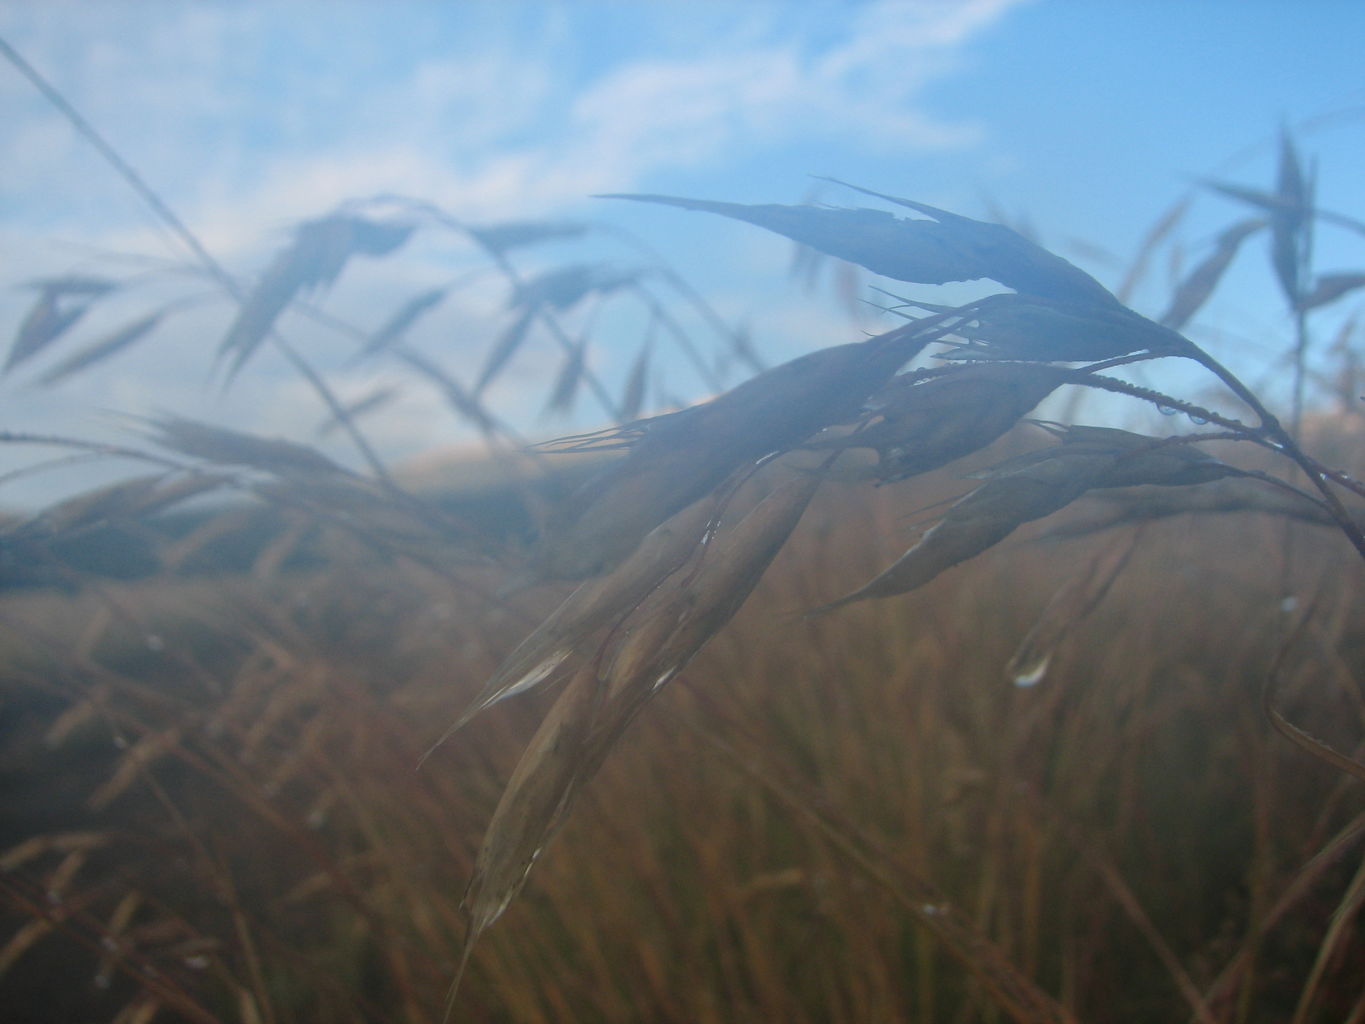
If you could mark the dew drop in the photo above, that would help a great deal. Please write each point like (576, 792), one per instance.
(1032, 674)
(155, 643)
(1289, 605)
(196, 963)
(103, 980)
(1198, 421)
(1166, 410)
(120, 743)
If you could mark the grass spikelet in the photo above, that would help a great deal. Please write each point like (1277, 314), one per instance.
(128, 499)
(397, 325)
(1139, 459)
(371, 401)
(947, 248)
(533, 805)
(1035, 485)
(61, 302)
(1029, 328)
(699, 601)
(674, 460)
(235, 448)
(633, 397)
(315, 258)
(1327, 288)
(591, 606)
(98, 351)
(1109, 508)
(1198, 285)
(1291, 224)
(502, 238)
(562, 288)
(602, 698)
(504, 348)
(985, 517)
(923, 424)
(570, 378)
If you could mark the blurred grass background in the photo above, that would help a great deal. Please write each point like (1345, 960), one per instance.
(212, 808)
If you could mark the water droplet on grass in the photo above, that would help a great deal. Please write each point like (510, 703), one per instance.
(1032, 674)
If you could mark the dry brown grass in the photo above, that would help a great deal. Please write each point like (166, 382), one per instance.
(779, 838)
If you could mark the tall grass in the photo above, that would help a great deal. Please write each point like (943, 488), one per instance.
(1109, 771)
(766, 844)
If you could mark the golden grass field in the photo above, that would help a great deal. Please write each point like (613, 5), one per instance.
(215, 811)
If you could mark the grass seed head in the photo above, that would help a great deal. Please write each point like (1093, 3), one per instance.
(676, 459)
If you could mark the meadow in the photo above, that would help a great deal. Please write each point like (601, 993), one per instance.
(1087, 748)
(861, 817)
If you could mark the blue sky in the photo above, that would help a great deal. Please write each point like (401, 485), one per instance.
(1086, 117)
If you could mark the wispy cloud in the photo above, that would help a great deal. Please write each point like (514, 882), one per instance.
(249, 117)
(242, 131)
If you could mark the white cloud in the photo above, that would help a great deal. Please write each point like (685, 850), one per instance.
(247, 118)
(232, 106)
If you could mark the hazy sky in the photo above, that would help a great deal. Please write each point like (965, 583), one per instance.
(1088, 118)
